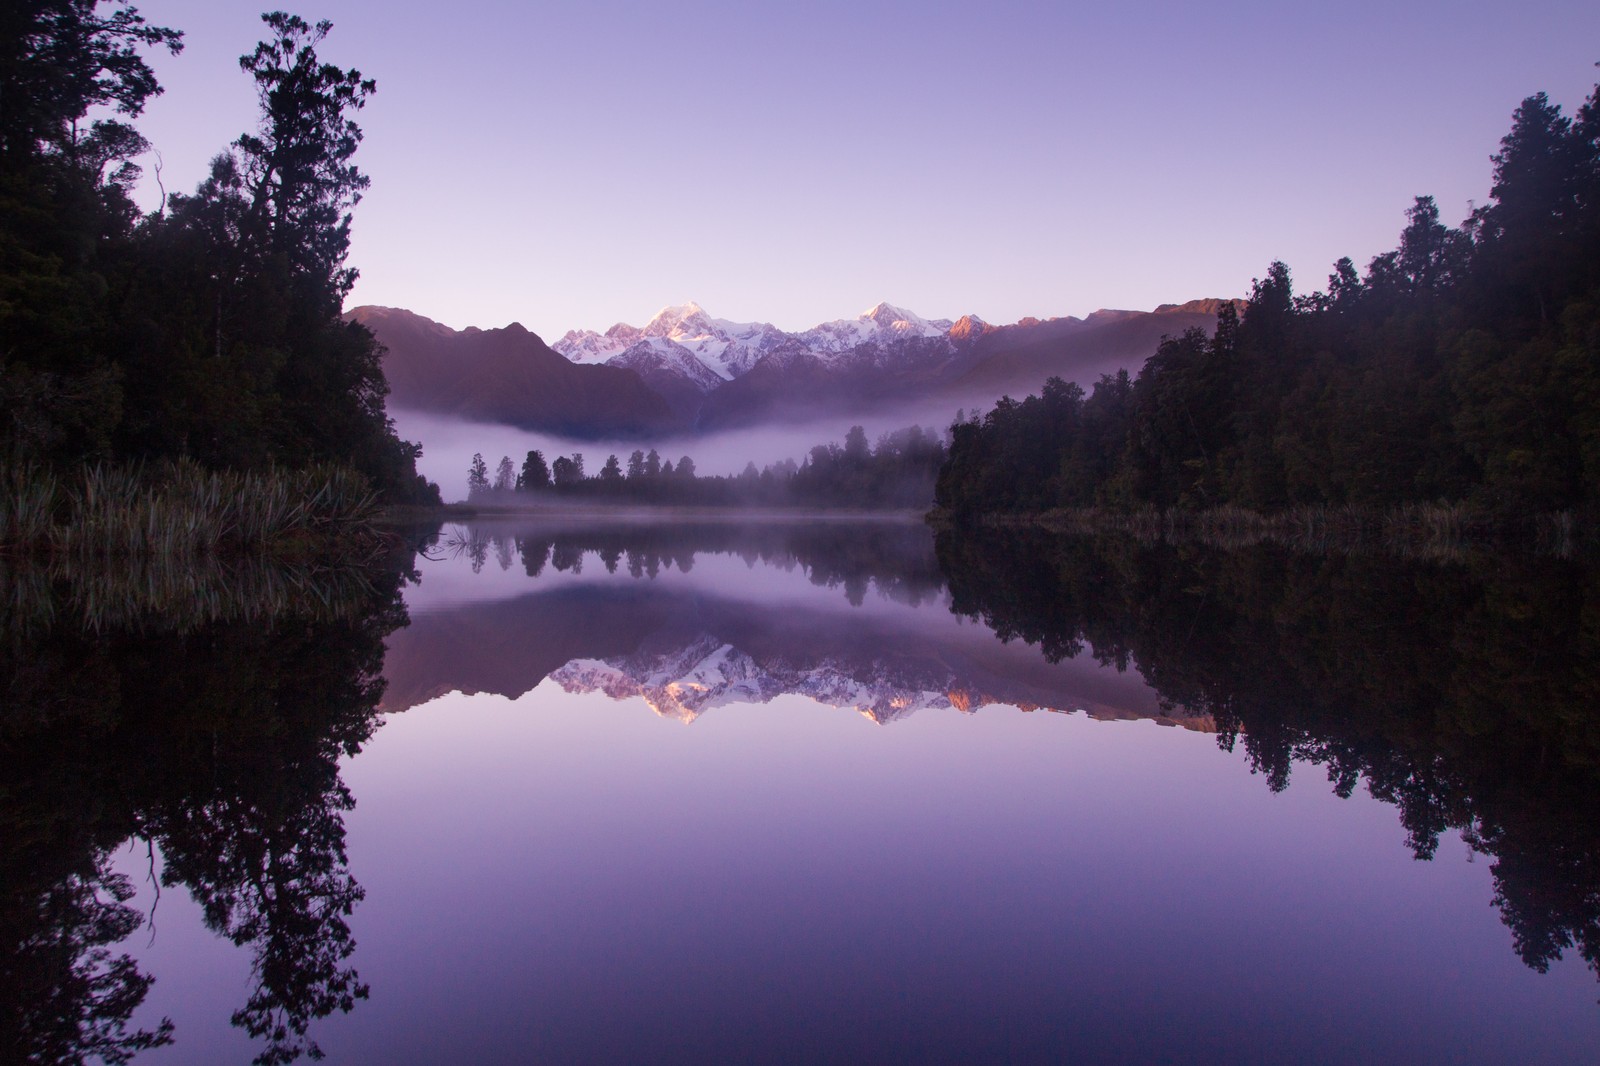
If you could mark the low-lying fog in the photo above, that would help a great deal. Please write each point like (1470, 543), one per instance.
(448, 444)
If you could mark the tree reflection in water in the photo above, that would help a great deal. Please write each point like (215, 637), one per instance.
(1464, 693)
(892, 556)
(214, 736)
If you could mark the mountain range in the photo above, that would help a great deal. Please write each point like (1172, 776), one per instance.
(685, 371)
(686, 655)
(690, 616)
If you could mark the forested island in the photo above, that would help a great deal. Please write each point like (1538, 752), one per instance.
(145, 356)
(1455, 383)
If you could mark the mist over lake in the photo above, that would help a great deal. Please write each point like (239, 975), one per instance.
(449, 444)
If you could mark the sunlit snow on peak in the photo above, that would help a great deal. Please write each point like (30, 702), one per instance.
(724, 347)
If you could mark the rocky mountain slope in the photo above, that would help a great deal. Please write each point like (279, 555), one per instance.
(509, 376)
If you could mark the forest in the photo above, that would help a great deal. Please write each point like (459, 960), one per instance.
(897, 472)
(204, 332)
(1461, 369)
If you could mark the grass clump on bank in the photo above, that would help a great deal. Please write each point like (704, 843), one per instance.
(179, 510)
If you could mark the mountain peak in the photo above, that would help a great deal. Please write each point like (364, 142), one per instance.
(968, 327)
(678, 315)
(887, 314)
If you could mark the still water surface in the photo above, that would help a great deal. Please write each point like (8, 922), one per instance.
(779, 793)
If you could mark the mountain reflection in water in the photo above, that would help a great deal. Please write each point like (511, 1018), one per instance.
(218, 739)
(1465, 693)
(725, 635)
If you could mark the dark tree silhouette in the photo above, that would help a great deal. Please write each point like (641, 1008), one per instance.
(210, 329)
(535, 475)
(1459, 370)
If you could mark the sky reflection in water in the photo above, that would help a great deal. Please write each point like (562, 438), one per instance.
(554, 874)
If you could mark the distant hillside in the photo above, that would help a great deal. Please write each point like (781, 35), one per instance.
(1017, 359)
(685, 370)
(508, 376)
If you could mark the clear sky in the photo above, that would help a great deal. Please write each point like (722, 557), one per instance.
(573, 164)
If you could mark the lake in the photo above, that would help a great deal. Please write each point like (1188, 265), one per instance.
(830, 791)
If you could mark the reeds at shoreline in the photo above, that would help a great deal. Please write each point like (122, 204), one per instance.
(175, 593)
(180, 511)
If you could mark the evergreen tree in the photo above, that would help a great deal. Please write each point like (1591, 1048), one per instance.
(567, 472)
(210, 329)
(855, 446)
(66, 222)
(297, 165)
(535, 475)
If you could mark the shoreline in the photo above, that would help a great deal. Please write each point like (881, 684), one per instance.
(638, 513)
(1434, 529)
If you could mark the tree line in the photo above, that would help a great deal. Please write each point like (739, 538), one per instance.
(1463, 366)
(898, 471)
(208, 329)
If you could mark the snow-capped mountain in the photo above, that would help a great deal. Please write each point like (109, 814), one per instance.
(675, 373)
(682, 684)
(686, 371)
(658, 355)
(685, 355)
(707, 673)
(881, 324)
(727, 349)
(730, 349)
(685, 683)
(587, 346)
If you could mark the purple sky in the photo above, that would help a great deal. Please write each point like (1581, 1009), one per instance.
(575, 164)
